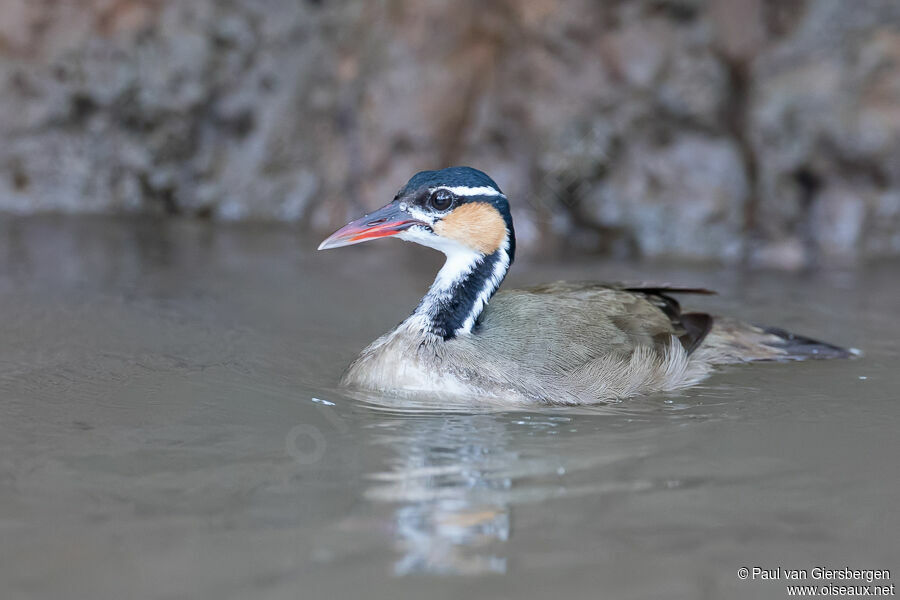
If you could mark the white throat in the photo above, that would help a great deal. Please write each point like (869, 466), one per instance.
(461, 289)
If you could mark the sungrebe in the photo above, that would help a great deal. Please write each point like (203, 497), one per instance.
(561, 343)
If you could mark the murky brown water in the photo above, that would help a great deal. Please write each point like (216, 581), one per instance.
(169, 428)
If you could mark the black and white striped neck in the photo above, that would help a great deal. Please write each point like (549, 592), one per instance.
(461, 290)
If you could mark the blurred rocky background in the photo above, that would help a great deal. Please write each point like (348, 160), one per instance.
(758, 131)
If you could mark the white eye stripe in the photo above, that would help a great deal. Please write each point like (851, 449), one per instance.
(464, 190)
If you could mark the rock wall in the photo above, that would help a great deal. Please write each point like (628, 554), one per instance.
(765, 131)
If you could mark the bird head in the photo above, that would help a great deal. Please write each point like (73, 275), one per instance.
(455, 210)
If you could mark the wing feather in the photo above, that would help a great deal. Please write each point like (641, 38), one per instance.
(689, 328)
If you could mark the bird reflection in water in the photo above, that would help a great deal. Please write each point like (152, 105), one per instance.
(450, 477)
(454, 479)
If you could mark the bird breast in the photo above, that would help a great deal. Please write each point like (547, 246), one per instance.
(407, 360)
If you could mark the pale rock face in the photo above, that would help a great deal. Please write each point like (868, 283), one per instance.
(645, 193)
(824, 124)
(712, 130)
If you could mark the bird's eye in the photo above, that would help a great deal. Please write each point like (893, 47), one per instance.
(441, 200)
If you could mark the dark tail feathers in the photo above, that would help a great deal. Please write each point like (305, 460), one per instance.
(797, 347)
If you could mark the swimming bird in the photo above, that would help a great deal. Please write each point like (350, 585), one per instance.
(559, 343)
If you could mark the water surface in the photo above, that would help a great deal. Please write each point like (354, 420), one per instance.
(170, 428)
